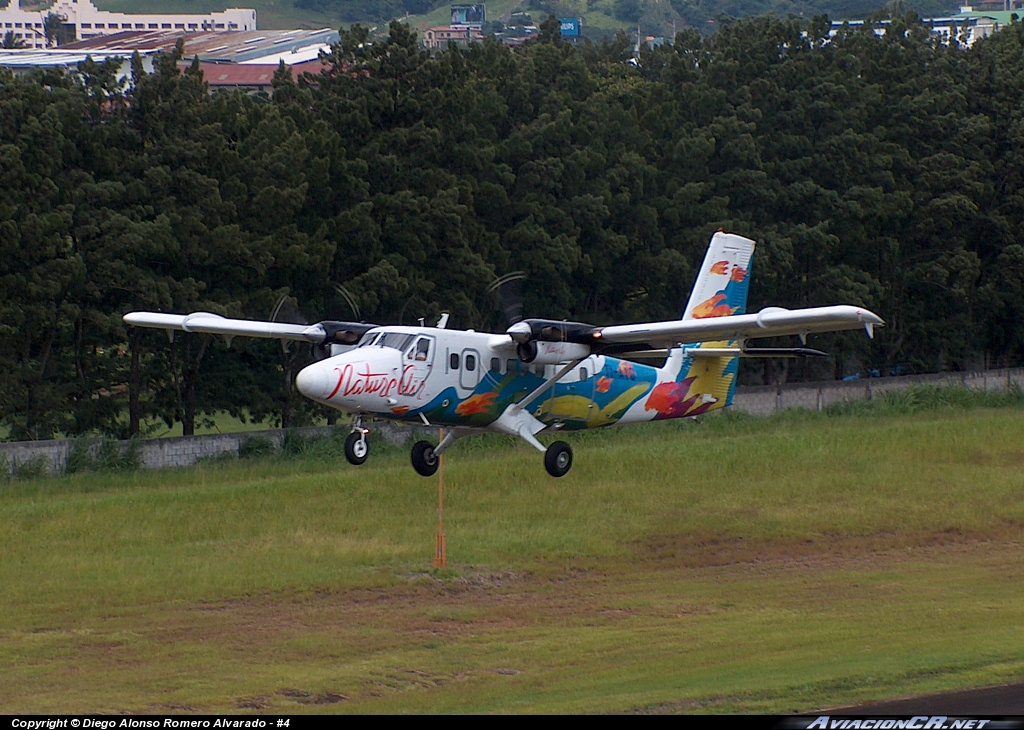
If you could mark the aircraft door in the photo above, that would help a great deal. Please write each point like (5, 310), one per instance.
(418, 360)
(471, 371)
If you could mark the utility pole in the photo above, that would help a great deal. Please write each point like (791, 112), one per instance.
(440, 551)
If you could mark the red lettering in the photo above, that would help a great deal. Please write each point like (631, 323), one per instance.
(351, 382)
(409, 384)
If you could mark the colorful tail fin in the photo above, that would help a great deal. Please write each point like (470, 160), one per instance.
(723, 280)
(720, 290)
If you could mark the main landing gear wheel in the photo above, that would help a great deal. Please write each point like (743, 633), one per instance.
(356, 448)
(424, 460)
(558, 459)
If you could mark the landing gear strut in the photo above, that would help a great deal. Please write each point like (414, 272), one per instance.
(424, 460)
(558, 459)
(426, 457)
(356, 447)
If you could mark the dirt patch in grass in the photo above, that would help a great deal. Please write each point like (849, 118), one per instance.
(978, 457)
(471, 604)
(464, 602)
(470, 633)
(695, 551)
(310, 698)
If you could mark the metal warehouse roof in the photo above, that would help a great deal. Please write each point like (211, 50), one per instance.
(218, 47)
(25, 59)
(250, 76)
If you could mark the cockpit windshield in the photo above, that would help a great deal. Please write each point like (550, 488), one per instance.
(368, 339)
(394, 340)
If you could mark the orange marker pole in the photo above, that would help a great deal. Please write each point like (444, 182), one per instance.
(440, 551)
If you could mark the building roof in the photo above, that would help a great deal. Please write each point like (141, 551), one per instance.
(223, 47)
(23, 58)
(1002, 17)
(236, 75)
(250, 75)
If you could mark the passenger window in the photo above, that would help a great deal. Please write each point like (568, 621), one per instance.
(511, 366)
(583, 374)
(496, 365)
(453, 361)
(470, 363)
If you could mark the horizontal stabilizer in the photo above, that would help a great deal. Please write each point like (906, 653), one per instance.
(783, 352)
(753, 352)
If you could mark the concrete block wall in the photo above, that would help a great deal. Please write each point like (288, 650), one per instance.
(177, 451)
(764, 400)
(54, 454)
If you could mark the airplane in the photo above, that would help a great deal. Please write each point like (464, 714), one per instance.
(540, 376)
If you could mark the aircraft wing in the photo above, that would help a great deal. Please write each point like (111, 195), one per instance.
(207, 323)
(769, 322)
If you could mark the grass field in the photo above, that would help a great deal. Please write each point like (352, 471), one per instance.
(272, 14)
(743, 565)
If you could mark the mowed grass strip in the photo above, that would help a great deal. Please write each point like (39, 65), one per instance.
(762, 565)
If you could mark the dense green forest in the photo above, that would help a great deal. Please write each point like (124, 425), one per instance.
(886, 172)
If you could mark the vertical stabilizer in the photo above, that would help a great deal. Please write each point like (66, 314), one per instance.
(720, 290)
(723, 279)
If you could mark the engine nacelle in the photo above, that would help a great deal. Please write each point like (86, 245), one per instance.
(550, 330)
(344, 333)
(551, 353)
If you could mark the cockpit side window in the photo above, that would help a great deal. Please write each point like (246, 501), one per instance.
(368, 339)
(420, 352)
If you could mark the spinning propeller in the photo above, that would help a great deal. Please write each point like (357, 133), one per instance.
(527, 333)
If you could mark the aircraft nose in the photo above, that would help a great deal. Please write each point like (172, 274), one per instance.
(314, 382)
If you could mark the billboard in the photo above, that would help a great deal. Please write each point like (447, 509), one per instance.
(570, 27)
(468, 16)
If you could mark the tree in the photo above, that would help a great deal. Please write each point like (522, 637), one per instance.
(12, 41)
(58, 32)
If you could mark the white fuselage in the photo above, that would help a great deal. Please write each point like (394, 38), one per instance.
(460, 377)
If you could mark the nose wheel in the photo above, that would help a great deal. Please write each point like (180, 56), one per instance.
(356, 447)
(424, 460)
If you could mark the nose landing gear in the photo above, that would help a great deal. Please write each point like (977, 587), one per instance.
(356, 447)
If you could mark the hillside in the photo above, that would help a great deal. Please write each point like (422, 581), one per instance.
(600, 16)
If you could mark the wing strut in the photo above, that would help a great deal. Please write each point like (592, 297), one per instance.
(547, 384)
(517, 421)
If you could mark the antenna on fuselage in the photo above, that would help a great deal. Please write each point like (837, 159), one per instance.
(443, 321)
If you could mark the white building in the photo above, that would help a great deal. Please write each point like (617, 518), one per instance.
(88, 21)
(965, 27)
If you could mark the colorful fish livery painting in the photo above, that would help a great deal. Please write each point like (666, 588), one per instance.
(540, 376)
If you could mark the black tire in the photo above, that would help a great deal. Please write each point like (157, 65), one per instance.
(356, 448)
(558, 459)
(424, 460)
